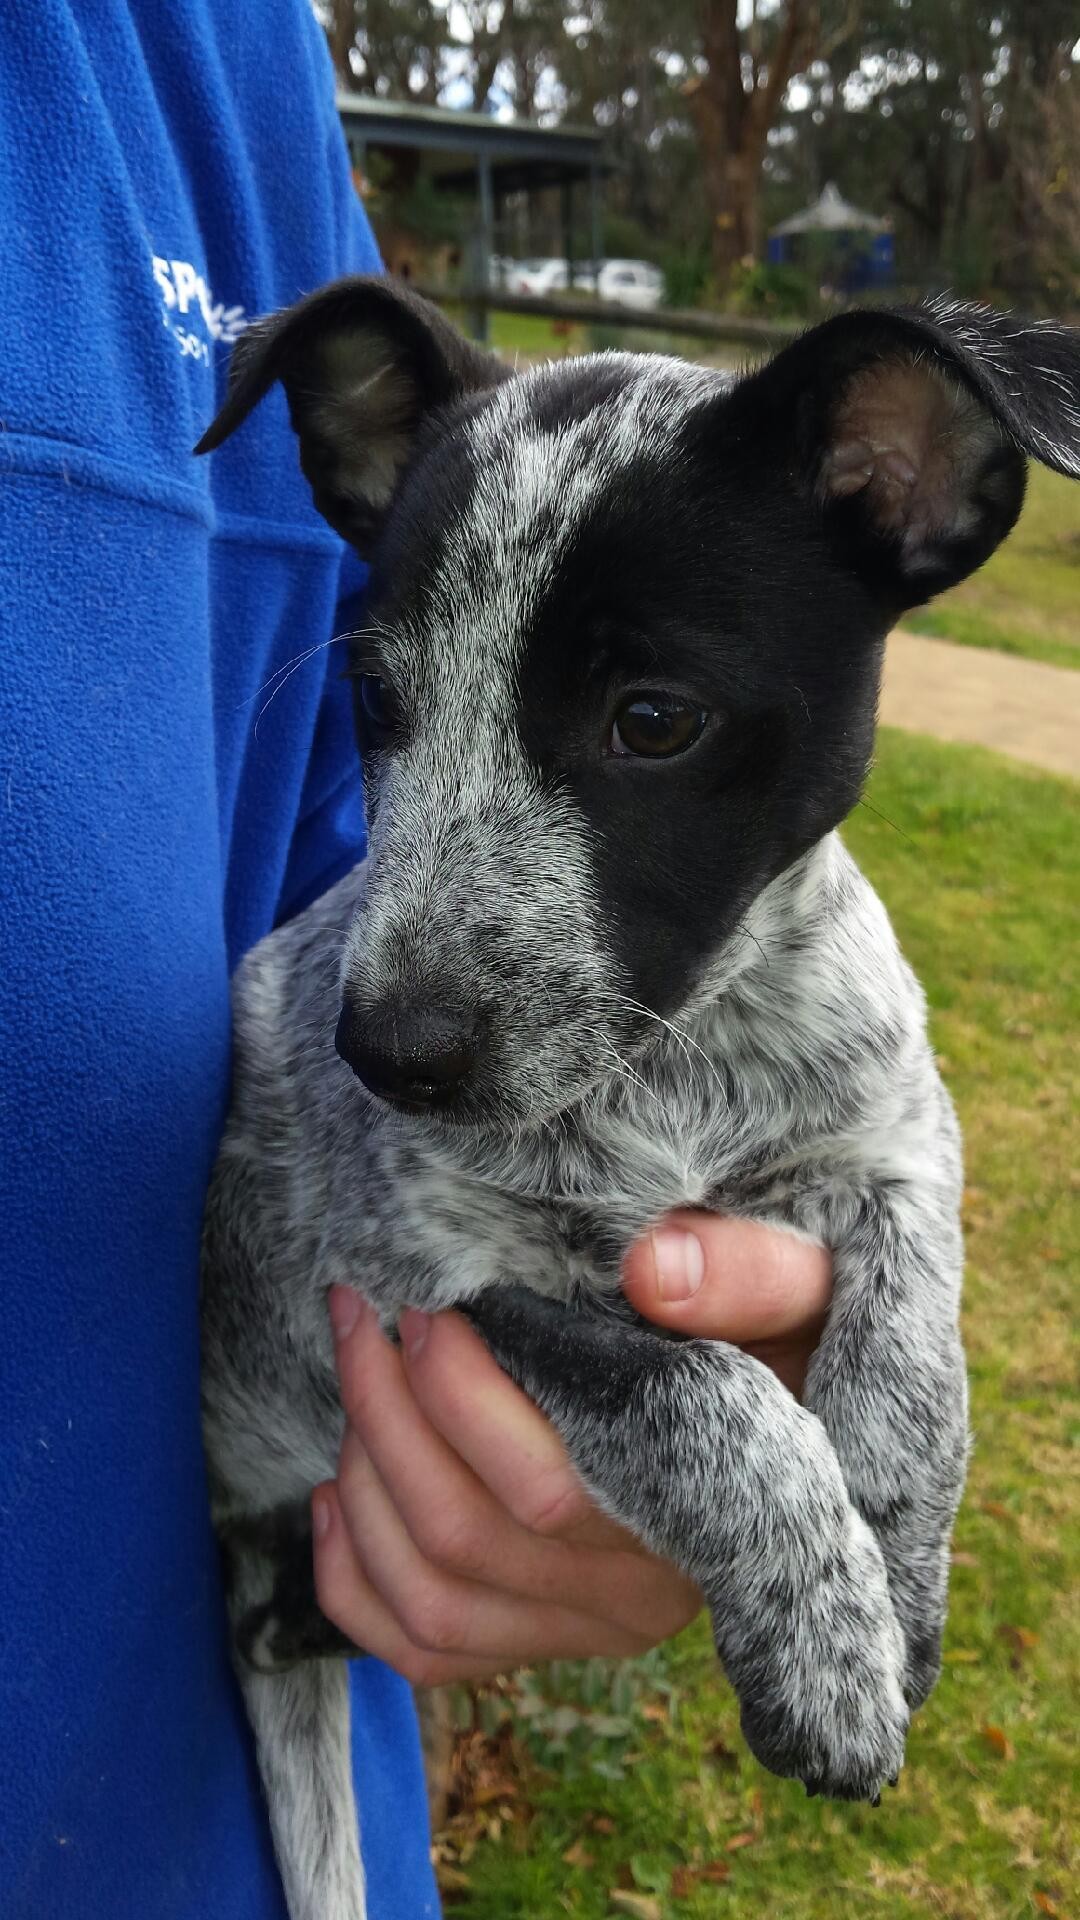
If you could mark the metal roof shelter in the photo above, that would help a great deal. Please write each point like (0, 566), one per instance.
(851, 249)
(832, 214)
(494, 157)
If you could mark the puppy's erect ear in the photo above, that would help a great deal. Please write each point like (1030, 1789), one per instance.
(910, 428)
(361, 361)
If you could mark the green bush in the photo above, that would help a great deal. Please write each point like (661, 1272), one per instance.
(686, 279)
(776, 292)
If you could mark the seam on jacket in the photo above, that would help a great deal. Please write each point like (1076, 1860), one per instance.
(32, 456)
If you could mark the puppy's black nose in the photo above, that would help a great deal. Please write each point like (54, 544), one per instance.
(418, 1056)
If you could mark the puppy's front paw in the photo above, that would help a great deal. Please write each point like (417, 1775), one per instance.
(821, 1690)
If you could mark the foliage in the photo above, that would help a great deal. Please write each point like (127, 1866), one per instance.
(579, 1716)
(1047, 154)
(687, 278)
(779, 293)
(419, 49)
(923, 116)
(979, 864)
(414, 207)
(958, 120)
(625, 237)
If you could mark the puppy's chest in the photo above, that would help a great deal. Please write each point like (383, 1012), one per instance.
(557, 1214)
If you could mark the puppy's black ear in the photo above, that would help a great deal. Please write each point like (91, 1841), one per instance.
(911, 426)
(361, 361)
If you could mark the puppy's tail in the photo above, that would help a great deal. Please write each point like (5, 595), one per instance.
(299, 1713)
(300, 1719)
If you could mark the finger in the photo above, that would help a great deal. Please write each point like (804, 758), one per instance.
(722, 1278)
(448, 1512)
(495, 1428)
(453, 1519)
(458, 1525)
(442, 1613)
(347, 1597)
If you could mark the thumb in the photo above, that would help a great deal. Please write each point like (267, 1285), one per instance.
(722, 1278)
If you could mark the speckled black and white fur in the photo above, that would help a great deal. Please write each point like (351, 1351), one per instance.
(679, 988)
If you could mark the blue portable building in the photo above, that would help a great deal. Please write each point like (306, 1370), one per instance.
(858, 247)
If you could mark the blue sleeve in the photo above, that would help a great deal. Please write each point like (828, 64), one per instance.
(330, 835)
(169, 172)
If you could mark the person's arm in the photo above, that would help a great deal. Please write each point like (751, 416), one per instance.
(457, 1541)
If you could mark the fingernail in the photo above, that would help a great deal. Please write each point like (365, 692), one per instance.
(320, 1515)
(679, 1259)
(344, 1311)
(413, 1327)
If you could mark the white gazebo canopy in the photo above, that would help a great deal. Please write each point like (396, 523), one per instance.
(832, 214)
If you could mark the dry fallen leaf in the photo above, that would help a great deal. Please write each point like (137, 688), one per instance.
(579, 1856)
(451, 1879)
(684, 1879)
(995, 1509)
(719, 1751)
(965, 1559)
(740, 1840)
(494, 1790)
(1020, 1641)
(642, 1906)
(1047, 1906)
(997, 1741)
(601, 1823)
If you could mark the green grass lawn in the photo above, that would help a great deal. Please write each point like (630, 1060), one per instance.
(536, 338)
(597, 1791)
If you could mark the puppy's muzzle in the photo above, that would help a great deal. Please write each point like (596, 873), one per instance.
(413, 1056)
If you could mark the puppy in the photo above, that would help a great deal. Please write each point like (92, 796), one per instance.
(606, 957)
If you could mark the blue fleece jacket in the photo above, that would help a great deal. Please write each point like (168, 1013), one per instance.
(168, 170)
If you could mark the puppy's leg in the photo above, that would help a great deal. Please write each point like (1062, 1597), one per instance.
(701, 1451)
(300, 1719)
(285, 1624)
(888, 1384)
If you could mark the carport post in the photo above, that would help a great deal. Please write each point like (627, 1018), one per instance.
(596, 240)
(357, 146)
(486, 246)
(568, 229)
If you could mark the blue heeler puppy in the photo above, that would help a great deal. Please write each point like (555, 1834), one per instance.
(606, 957)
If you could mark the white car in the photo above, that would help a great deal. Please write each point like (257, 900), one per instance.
(629, 283)
(632, 283)
(550, 276)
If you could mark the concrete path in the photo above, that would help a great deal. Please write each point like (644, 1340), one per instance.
(1018, 707)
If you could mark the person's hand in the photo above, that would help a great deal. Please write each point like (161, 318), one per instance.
(728, 1279)
(457, 1542)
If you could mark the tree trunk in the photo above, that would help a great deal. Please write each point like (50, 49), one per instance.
(341, 33)
(733, 121)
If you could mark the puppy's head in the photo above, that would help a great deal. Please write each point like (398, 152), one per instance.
(623, 646)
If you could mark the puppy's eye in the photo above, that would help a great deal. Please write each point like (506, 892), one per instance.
(655, 726)
(376, 704)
